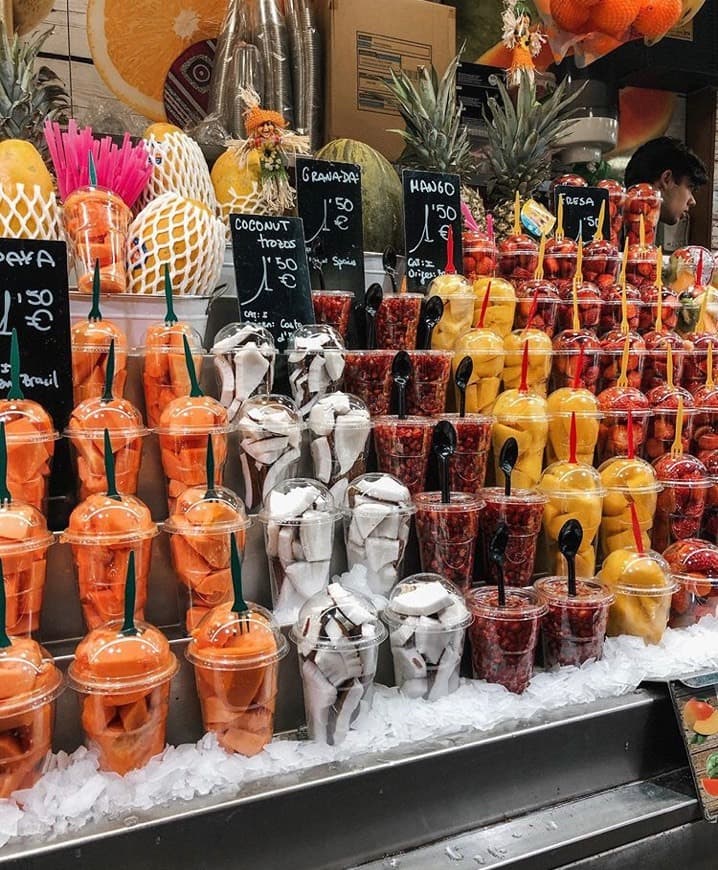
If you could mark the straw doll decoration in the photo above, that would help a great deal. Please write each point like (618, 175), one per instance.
(523, 41)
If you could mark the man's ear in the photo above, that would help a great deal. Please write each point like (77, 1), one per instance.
(666, 179)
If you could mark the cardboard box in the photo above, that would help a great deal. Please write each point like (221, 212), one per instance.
(363, 39)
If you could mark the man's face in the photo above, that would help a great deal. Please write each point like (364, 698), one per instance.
(678, 197)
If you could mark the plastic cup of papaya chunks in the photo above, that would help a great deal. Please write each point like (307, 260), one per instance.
(397, 321)
(90, 345)
(467, 467)
(124, 680)
(504, 637)
(88, 441)
(694, 564)
(643, 587)
(367, 374)
(200, 531)
(97, 222)
(164, 372)
(333, 308)
(102, 533)
(522, 512)
(574, 627)
(30, 453)
(236, 658)
(30, 683)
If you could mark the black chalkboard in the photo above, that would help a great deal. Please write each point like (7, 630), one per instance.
(329, 202)
(581, 208)
(432, 203)
(270, 267)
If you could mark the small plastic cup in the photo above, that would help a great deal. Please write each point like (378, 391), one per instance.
(316, 364)
(402, 448)
(539, 361)
(695, 367)
(426, 393)
(90, 344)
(590, 304)
(705, 423)
(518, 258)
(694, 565)
(627, 482)
(616, 203)
(200, 533)
(559, 433)
(522, 512)
(480, 254)
(487, 353)
(97, 224)
(522, 416)
(448, 534)
(338, 634)
(612, 309)
(504, 638)
(270, 431)
(124, 680)
(299, 517)
(613, 432)
(244, 357)
(670, 308)
(30, 683)
(457, 318)
(574, 627)
(376, 528)
(102, 532)
(30, 437)
(567, 357)
(397, 321)
(333, 308)
(24, 542)
(643, 586)
(601, 262)
(367, 374)
(427, 618)
(501, 308)
(236, 668)
(164, 373)
(611, 360)
(642, 201)
(679, 514)
(560, 260)
(662, 432)
(339, 428)
(467, 466)
(655, 366)
(545, 316)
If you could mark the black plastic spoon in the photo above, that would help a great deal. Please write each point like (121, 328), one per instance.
(388, 261)
(431, 313)
(462, 376)
(372, 300)
(443, 446)
(569, 541)
(507, 460)
(401, 371)
(497, 554)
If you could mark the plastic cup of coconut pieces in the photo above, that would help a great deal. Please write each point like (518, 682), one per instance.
(316, 364)
(244, 358)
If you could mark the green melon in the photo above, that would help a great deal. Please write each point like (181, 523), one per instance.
(381, 192)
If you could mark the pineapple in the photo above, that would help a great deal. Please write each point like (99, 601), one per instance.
(28, 96)
(521, 138)
(434, 138)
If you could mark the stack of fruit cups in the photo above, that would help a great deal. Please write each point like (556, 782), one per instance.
(641, 213)
(694, 565)
(235, 652)
(427, 618)
(123, 670)
(338, 634)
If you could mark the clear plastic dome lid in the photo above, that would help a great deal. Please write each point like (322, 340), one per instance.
(237, 335)
(194, 415)
(379, 488)
(600, 249)
(539, 343)
(430, 600)
(337, 618)
(547, 291)
(683, 470)
(501, 289)
(92, 416)
(572, 342)
(28, 676)
(338, 410)
(623, 399)
(632, 573)
(96, 335)
(26, 420)
(573, 400)
(665, 398)
(515, 405)
(571, 477)
(273, 413)
(200, 511)
(629, 475)
(554, 591)
(693, 559)
(706, 399)
(450, 285)
(484, 341)
(315, 337)
(102, 519)
(228, 640)
(291, 499)
(108, 660)
(22, 528)
(168, 338)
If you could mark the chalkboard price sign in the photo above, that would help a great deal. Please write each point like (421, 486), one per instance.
(581, 210)
(432, 204)
(272, 274)
(330, 204)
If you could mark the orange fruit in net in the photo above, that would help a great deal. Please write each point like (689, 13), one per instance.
(569, 16)
(613, 17)
(657, 17)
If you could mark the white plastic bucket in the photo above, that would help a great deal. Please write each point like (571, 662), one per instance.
(134, 313)
(374, 271)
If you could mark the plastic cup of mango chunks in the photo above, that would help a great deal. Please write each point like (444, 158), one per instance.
(90, 345)
(559, 435)
(236, 667)
(539, 363)
(486, 350)
(522, 416)
(501, 307)
(627, 482)
(102, 533)
(30, 683)
(124, 680)
(457, 318)
(200, 531)
(164, 373)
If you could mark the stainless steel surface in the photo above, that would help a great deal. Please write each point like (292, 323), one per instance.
(342, 814)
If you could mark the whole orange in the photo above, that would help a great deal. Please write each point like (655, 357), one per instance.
(657, 17)
(569, 15)
(613, 17)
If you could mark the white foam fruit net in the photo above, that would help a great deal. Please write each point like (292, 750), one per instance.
(173, 231)
(27, 213)
(254, 202)
(178, 166)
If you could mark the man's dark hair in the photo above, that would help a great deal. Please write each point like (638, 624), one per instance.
(652, 159)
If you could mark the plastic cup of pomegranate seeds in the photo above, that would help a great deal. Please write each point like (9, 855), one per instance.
(522, 512)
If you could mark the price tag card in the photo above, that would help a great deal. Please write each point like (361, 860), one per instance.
(695, 700)
(330, 204)
(270, 266)
(432, 204)
(581, 210)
